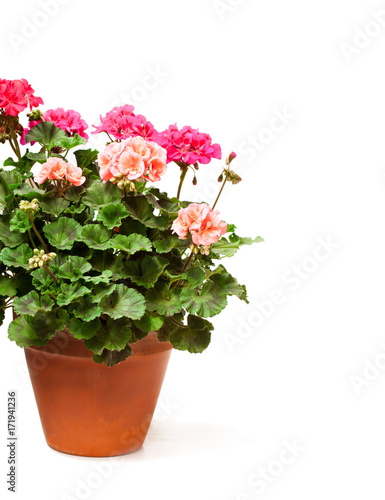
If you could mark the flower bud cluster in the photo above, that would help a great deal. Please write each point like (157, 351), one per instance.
(40, 258)
(29, 206)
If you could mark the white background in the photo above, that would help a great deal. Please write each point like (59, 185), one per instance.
(299, 372)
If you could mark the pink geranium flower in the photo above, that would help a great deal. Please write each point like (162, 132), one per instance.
(68, 120)
(190, 146)
(203, 224)
(57, 169)
(132, 159)
(122, 123)
(16, 96)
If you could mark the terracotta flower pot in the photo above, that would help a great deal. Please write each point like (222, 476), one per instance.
(90, 409)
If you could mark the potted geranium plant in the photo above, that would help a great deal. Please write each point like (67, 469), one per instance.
(105, 272)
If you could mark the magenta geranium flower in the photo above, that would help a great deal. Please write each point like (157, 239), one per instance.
(190, 146)
(68, 120)
(16, 96)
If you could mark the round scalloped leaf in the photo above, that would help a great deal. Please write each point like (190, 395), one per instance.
(9, 238)
(86, 308)
(207, 302)
(54, 206)
(147, 271)
(20, 222)
(35, 330)
(62, 233)
(166, 302)
(7, 287)
(17, 257)
(123, 302)
(102, 194)
(74, 268)
(111, 215)
(32, 303)
(45, 133)
(195, 337)
(114, 338)
(140, 209)
(131, 244)
(95, 236)
(71, 292)
(112, 358)
(84, 330)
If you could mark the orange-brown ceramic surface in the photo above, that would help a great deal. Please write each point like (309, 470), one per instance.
(90, 409)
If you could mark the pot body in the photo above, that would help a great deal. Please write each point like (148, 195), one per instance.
(90, 409)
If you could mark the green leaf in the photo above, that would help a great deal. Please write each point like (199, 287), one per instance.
(74, 268)
(102, 290)
(53, 205)
(86, 308)
(140, 209)
(103, 261)
(147, 271)
(207, 302)
(100, 195)
(9, 181)
(20, 222)
(131, 244)
(71, 292)
(195, 337)
(85, 156)
(7, 287)
(112, 358)
(95, 236)
(227, 248)
(229, 285)
(105, 277)
(195, 276)
(9, 238)
(164, 301)
(41, 279)
(37, 157)
(170, 241)
(70, 142)
(46, 133)
(35, 330)
(26, 191)
(114, 338)
(130, 226)
(84, 330)
(123, 302)
(17, 257)
(111, 215)
(62, 233)
(149, 322)
(32, 303)
(74, 193)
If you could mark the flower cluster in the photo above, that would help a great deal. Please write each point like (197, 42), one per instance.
(40, 258)
(68, 120)
(121, 123)
(131, 159)
(57, 169)
(190, 146)
(203, 224)
(29, 206)
(16, 96)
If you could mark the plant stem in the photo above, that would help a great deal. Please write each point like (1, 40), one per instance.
(182, 177)
(177, 322)
(30, 237)
(187, 263)
(37, 233)
(220, 192)
(50, 272)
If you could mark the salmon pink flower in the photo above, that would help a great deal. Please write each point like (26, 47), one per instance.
(203, 224)
(74, 175)
(133, 158)
(57, 169)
